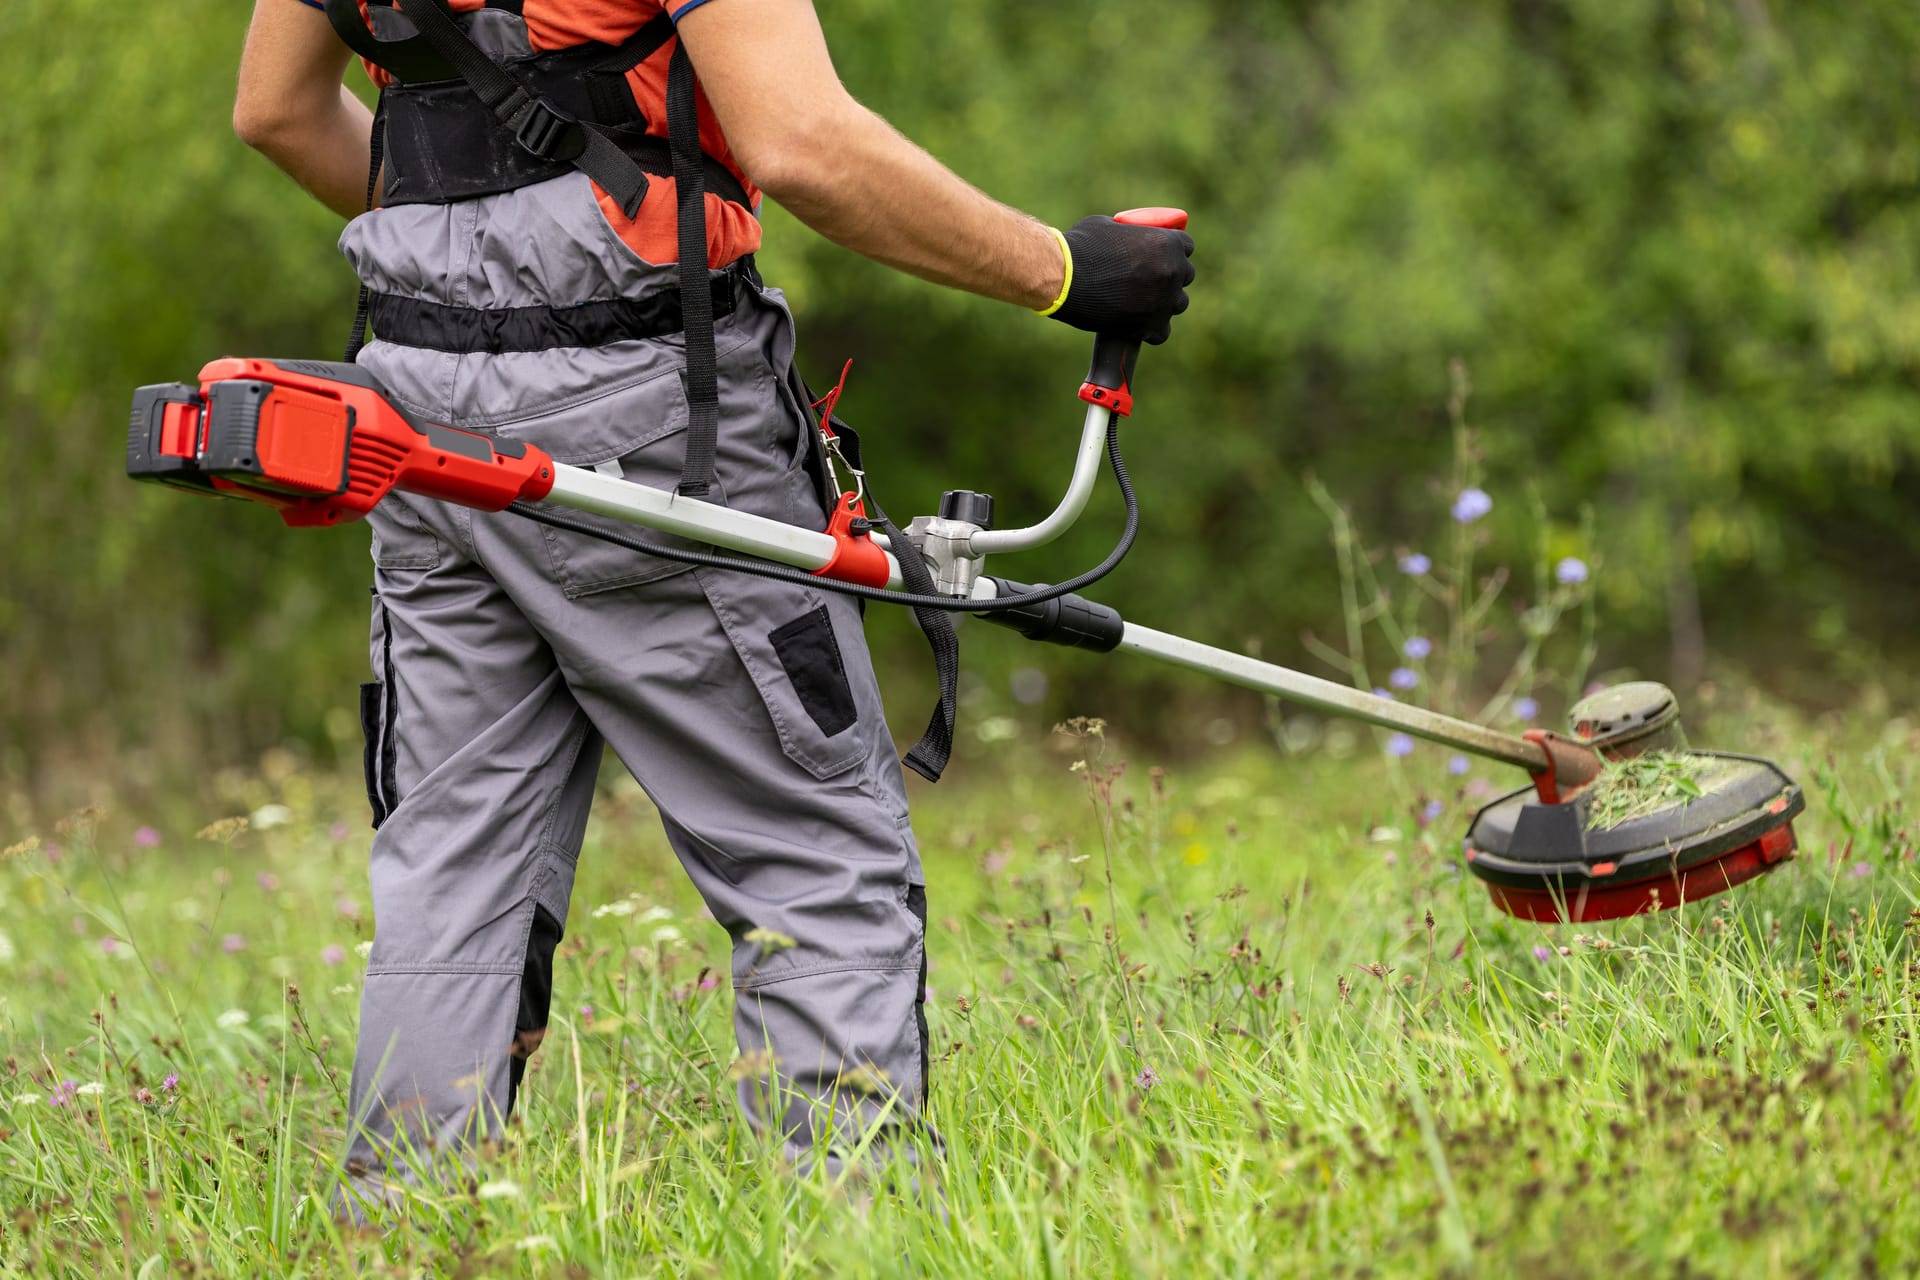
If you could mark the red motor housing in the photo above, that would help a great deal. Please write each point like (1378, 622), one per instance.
(319, 441)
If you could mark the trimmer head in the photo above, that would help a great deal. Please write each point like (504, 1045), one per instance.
(1542, 861)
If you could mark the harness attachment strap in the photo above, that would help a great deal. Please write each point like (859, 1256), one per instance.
(696, 306)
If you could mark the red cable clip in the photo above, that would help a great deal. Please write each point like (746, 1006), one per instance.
(856, 556)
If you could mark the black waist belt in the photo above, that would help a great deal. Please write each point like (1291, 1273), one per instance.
(414, 322)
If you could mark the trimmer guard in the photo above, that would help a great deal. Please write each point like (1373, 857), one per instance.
(1541, 862)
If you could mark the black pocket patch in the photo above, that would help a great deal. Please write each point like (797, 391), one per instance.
(370, 756)
(811, 656)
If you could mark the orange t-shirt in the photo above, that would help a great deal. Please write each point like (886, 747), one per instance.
(561, 24)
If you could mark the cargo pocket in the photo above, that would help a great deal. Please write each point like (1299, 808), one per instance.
(636, 435)
(811, 658)
(784, 635)
(401, 538)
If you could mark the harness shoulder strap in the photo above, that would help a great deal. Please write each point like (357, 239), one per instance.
(696, 302)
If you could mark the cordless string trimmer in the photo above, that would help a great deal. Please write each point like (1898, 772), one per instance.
(321, 443)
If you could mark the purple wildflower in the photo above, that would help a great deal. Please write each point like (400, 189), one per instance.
(1400, 745)
(1570, 572)
(171, 1083)
(1458, 765)
(709, 982)
(233, 944)
(1542, 954)
(1525, 708)
(586, 1012)
(1430, 812)
(1413, 564)
(1860, 870)
(63, 1093)
(267, 881)
(146, 838)
(1417, 647)
(346, 906)
(109, 945)
(1403, 678)
(1471, 505)
(1147, 1078)
(332, 953)
(339, 831)
(1383, 693)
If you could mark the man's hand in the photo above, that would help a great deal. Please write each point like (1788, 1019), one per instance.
(292, 108)
(1125, 281)
(849, 175)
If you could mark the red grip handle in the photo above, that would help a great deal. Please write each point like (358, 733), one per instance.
(1154, 216)
(1111, 375)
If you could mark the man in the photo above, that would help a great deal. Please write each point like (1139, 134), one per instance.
(505, 653)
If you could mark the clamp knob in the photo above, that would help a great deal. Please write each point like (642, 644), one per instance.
(967, 505)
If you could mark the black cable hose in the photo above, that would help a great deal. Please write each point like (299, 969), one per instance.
(785, 573)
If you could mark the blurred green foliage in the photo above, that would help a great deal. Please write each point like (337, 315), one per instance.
(1674, 241)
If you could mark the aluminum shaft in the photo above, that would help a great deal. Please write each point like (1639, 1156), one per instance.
(1329, 696)
(668, 512)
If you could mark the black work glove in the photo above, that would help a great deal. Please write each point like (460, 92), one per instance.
(1124, 281)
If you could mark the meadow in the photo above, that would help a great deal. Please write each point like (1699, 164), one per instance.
(1244, 1016)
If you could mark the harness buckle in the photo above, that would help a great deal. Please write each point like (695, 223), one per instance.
(546, 131)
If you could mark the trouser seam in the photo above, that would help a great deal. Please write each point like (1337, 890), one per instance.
(553, 809)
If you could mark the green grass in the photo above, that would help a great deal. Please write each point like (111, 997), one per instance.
(1640, 785)
(1290, 1039)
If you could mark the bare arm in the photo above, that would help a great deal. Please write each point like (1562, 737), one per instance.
(847, 173)
(292, 108)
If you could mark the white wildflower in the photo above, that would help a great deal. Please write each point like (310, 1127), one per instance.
(232, 1018)
(653, 915)
(530, 1243)
(268, 816)
(501, 1190)
(7, 953)
(363, 949)
(665, 933)
(624, 907)
(91, 1089)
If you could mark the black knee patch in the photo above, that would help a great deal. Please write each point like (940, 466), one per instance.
(536, 995)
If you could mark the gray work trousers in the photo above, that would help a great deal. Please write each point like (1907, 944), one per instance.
(505, 653)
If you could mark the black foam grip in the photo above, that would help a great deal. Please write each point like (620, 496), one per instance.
(1073, 621)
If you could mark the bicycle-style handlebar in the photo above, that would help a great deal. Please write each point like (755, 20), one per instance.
(1108, 390)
